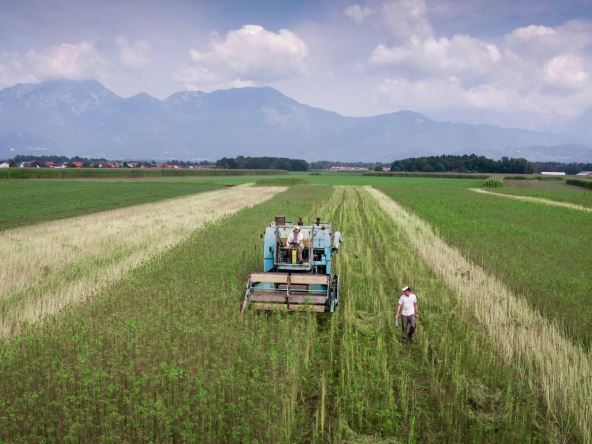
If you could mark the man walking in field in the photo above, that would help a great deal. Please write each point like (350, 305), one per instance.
(409, 309)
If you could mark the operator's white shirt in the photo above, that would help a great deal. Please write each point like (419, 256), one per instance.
(407, 303)
(297, 238)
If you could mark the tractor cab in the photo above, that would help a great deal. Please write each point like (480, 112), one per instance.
(318, 240)
(286, 283)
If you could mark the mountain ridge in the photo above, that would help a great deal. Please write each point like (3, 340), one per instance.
(85, 118)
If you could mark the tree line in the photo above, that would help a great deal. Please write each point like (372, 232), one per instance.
(262, 163)
(468, 163)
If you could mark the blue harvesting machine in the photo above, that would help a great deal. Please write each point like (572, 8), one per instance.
(287, 283)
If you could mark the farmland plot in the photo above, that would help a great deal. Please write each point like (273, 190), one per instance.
(548, 189)
(163, 356)
(364, 385)
(561, 369)
(543, 252)
(26, 202)
(49, 266)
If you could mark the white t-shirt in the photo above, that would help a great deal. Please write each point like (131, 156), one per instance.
(295, 238)
(407, 302)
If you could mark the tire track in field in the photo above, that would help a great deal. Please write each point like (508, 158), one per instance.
(46, 267)
(561, 369)
(539, 200)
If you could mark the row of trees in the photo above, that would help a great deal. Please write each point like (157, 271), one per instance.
(262, 163)
(468, 163)
(434, 164)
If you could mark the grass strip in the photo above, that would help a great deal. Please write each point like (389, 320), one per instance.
(48, 266)
(533, 199)
(26, 202)
(561, 370)
(559, 191)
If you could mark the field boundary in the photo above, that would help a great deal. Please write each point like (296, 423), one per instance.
(114, 173)
(525, 339)
(539, 200)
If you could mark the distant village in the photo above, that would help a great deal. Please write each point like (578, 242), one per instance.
(240, 162)
(16, 163)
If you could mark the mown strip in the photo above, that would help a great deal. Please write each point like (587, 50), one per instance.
(163, 356)
(543, 253)
(48, 266)
(26, 202)
(557, 191)
(365, 385)
(524, 339)
(533, 199)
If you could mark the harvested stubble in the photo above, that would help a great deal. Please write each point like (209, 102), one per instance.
(523, 337)
(49, 266)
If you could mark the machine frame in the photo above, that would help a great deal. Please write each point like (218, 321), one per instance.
(286, 285)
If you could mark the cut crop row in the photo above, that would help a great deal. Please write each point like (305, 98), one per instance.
(49, 266)
(541, 252)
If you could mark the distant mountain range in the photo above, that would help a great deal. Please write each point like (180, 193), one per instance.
(84, 118)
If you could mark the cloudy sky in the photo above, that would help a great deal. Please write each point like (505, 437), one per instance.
(515, 63)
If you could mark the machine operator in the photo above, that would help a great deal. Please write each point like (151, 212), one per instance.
(295, 241)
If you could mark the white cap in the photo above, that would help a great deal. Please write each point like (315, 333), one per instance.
(297, 227)
(405, 288)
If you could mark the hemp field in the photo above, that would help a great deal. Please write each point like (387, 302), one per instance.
(159, 354)
(26, 202)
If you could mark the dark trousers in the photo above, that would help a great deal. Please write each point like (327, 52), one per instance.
(408, 321)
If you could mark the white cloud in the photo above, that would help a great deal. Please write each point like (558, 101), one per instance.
(250, 53)
(460, 55)
(566, 71)
(71, 61)
(533, 68)
(358, 13)
(541, 42)
(134, 55)
(199, 78)
(442, 94)
(406, 19)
